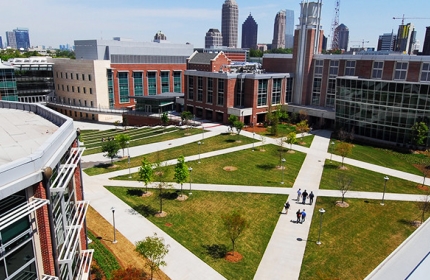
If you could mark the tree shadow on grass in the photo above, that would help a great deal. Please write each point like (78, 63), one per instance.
(230, 140)
(135, 192)
(103, 165)
(170, 195)
(216, 251)
(331, 166)
(266, 166)
(145, 210)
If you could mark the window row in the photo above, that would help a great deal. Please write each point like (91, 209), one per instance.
(77, 89)
(73, 76)
(81, 115)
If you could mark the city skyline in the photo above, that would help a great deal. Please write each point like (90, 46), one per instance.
(140, 20)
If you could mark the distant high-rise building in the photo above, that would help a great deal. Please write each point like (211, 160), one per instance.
(343, 36)
(213, 38)
(249, 33)
(426, 44)
(289, 29)
(279, 31)
(11, 39)
(324, 43)
(159, 36)
(387, 42)
(1, 43)
(405, 38)
(229, 23)
(22, 38)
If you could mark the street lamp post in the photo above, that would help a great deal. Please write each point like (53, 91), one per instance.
(282, 167)
(128, 153)
(322, 211)
(331, 154)
(199, 143)
(203, 134)
(385, 186)
(114, 230)
(253, 141)
(190, 169)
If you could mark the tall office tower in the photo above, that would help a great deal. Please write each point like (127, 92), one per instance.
(386, 42)
(1, 43)
(213, 38)
(229, 23)
(279, 31)
(11, 39)
(426, 45)
(405, 38)
(289, 29)
(324, 43)
(249, 33)
(22, 38)
(343, 35)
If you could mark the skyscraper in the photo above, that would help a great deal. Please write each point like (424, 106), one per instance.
(229, 23)
(1, 43)
(289, 29)
(279, 31)
(10, 39)
(386, 42)
(249, 33)
(426, 44)
(22, 38)
(213, 38)
(405, 38)
(343, 36)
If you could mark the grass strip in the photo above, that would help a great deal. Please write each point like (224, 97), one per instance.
(104, 258)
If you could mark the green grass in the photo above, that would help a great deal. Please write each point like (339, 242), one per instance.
(355, 239)
(305, 141)
(385, 157)
(253, 168)
(104, 258)
(151, 136)
(196, 224)
(209, 144)
(283, 130)
(365, 180)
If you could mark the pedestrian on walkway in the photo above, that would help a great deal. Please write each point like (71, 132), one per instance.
(311, 198)
(287, 206)
(299, 193)
(299, 215)
(303, 216)
(304, 195)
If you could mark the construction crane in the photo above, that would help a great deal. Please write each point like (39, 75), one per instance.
(403, 18)
(362, 42)
(334, 34)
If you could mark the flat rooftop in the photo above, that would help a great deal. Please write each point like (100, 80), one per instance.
(22, 133)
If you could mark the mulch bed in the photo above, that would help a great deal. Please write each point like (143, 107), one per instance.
(233, 257)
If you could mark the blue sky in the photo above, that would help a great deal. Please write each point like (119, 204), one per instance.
(54, 22)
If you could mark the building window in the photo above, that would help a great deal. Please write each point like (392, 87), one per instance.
(289, 91)
(83, 77)
(165, 83)
(92, 104)
(62, 87)
(77, 76)
(67, 86)
(220, 96)
(276, 91)
(73, 88)
(316, 92)
(190, 87)
(350, 68)
(79, 90)
(61, 75)
(334, 68)
(71, 76)
(262, 93)
(85, 103)
(177, 81)
(58, 87)
(67, 76)
(331, 93)
(110, 88)
(89, 77)
(57, 74)
(123, 87)
(240, 92)
(425, 72)
(138, 83)
(85, 90)
(152, 83)
(210, 90)
(200, 89)
(318, 69)
(378, 66)
(400, 72)
(91, 90)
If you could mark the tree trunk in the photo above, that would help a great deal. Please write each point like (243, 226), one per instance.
(161, 200)
(232, 241)
(181, 189)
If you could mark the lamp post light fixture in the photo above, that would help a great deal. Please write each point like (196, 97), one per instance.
(253, 141)
(203, 134)
(114, 230)
(199, 143)
(128, 153)
(331, 154)
(282, 167)
(385, 186)
(189, 170)
(322, 211)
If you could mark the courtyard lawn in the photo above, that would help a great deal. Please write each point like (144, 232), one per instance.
(283, 130)
(365, 180)
(355, 239)
(385, 157)
(218, 142)
(254, 168)
(196, 223)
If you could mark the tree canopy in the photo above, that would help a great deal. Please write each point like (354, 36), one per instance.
(181, 172)
(234, 223)
(154, 249)
(110, 148)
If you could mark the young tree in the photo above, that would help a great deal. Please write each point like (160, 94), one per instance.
(181, 172)
(231, 120)
(302, 127)
(419, 133)
(153, 249)
(164, 120)
(122, 140)
(281, 142)
(124, 121)
(146, 173)
(424, 205)
(186, 116)
(263, 142)
(110, 148)
(343, 149)
(292, 139)
(234, 223)
(342, 135)
(162, 172)
(344, 183)
(238, 125)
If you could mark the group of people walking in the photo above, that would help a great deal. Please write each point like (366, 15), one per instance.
(301, 215)
(304, 196)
